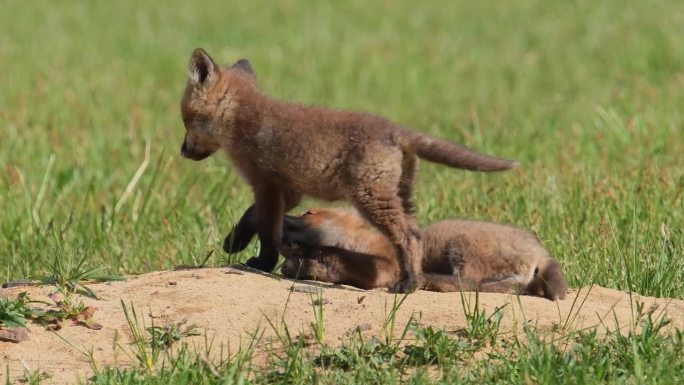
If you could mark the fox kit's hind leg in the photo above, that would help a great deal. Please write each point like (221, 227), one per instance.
(513, 283)
(449, 278)
(446, 283)
(378, 199)
(271, 204)
(409, 166)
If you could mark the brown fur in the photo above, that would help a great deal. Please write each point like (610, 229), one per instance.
(338, 246)
(286, 150)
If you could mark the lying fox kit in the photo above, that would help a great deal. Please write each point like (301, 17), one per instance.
(286, 150)
(338, 246)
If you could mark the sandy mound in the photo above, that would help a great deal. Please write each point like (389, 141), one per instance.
(229, 303)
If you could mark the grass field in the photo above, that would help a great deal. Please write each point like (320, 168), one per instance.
(587, 95)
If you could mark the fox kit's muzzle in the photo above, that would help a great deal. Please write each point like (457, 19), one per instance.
(190, 153)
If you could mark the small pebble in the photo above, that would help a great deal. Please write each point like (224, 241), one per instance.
(15, 335)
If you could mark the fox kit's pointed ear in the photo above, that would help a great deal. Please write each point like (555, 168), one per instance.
(202, 69)
(244, 66)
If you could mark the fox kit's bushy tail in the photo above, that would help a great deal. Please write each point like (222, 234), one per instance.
(452, 154)
(551, 280)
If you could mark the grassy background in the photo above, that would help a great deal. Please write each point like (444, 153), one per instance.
(587, 95)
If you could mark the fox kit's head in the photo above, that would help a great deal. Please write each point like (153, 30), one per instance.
(333, 227)
(209, 103)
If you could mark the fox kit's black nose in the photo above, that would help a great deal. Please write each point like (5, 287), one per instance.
(184, 150)
(192, 153)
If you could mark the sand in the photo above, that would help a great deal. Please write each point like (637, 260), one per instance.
(230, 304)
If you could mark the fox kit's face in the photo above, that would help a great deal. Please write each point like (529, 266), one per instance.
(309, 225)
(316, 217)
(331, 227)
(328, 219)
(207, 102)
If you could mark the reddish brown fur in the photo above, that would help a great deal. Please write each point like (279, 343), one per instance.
(285, 150)
(337, 246)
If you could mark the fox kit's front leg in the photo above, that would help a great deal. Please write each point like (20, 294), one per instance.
(238, 239)
(269, 209)
(271, 203)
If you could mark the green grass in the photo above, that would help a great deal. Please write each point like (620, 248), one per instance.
(426, 354)
(586, 95)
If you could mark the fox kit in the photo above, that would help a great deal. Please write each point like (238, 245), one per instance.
(286, 150)
(338, 246)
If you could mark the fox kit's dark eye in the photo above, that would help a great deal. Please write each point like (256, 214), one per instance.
(197, 122)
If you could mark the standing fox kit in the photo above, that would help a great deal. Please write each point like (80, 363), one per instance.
(338, 246)
(286, 150)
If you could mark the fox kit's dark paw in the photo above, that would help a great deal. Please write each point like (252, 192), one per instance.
(261, 264)
(407, 285)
